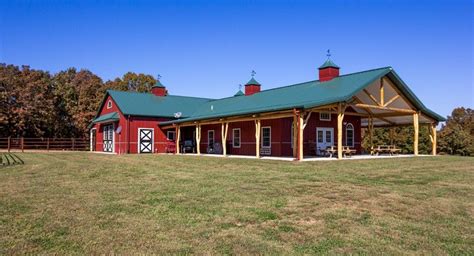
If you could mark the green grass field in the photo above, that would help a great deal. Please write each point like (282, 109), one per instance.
(76, 203)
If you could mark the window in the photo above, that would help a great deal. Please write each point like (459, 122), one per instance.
(109, 104)
(350, 135)
(266, 137)
(171, 135)
(320, 136)
(210, 137)
(236, 138)
(325, 116)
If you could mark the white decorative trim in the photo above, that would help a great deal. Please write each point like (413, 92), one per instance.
(168, 134)
(152, 140)
(353, 134)
(324, 119)
(90, 139)
(233, 138)
(261, 141)
(109, 104)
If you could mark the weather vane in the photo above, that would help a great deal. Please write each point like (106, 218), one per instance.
(329, 53)
(253, 73)
(240, 87)
(158, 76)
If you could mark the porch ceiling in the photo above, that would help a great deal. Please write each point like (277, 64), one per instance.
(390, 105)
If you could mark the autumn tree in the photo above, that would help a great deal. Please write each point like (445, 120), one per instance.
(132, 82)
(457, 135)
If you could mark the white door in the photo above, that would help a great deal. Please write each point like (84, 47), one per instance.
(108, 138)
(324, 138)
(146, 140)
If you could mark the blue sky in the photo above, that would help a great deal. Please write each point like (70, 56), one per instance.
(207, 48)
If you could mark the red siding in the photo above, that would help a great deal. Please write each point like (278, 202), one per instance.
(120, 140)
(280, 133)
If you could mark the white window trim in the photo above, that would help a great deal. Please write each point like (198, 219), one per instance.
(168, 135)
(152, 139)
(353, 134)
(261, 139)
(324, 119)
(109, 104)
(213, 137)
(233, 138)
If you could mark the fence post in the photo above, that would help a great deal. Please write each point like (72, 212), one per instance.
(72, 144)
(47, 144)
(9, 143)
(22, 144)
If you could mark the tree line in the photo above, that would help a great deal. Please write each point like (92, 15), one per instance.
(456, 136)
(35, 103)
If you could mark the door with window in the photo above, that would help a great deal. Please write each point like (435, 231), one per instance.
(108, 138)
(324, 138)
(146, 140)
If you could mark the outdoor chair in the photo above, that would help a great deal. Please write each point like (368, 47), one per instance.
(170, 147)
(188, 147)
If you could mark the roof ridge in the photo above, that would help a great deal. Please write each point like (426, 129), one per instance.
(147, 93)
(317, 80)
(369, 70)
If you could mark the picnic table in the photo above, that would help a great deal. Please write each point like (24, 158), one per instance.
(385, 149)
(346, 151)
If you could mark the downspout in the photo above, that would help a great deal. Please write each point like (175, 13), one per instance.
(128, 134)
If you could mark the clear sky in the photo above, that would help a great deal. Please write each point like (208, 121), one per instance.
(207, 48)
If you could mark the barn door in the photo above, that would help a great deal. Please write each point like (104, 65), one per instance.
(145, 144)
(93, 139)
(108, 138)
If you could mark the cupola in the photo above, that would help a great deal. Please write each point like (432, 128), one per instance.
(328, 70)
(252, 86)
(159, 89)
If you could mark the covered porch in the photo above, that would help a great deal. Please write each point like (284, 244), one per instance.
(384, 102)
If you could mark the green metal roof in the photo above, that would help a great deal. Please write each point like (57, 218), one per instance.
(252, 82)
(303, 95)
(328, 63)
(239, 93)
(147, 104)
(110, 117)
(158, 84)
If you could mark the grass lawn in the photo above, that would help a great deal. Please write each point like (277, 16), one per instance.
(78, 203)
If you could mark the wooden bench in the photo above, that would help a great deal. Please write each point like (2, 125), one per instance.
(387, 149)
(347, 151)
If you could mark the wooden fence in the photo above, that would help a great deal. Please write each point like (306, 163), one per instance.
(74, 144)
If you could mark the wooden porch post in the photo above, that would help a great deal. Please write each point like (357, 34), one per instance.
(178, 138)
(300, 137)
(198, 139)
(340, 117)
(371, 132)
(295, 137)
(224, 128)
(9, 143)
(22, 144)
(416, 131)
(433, 138)
(257, 138)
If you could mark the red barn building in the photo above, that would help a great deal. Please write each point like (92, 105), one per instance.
(306, 119)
